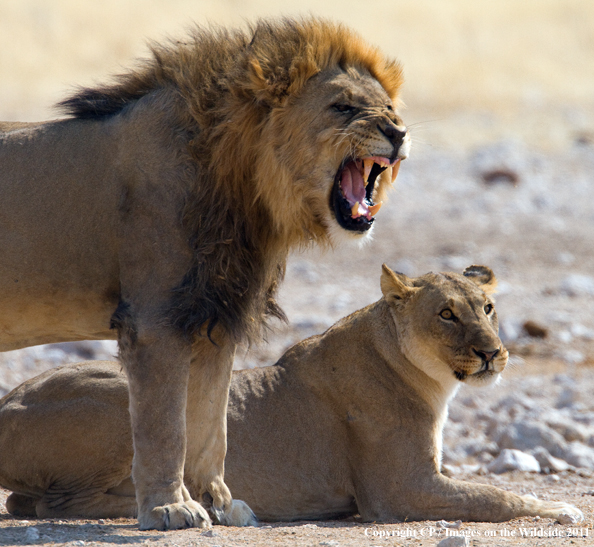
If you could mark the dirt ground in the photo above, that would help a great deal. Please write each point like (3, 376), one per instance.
(502, 86)
(344, 533)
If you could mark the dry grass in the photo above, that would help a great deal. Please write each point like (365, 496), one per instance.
(476, 69)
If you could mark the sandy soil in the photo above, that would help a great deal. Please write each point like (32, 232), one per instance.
(490, 86)
(345, 533)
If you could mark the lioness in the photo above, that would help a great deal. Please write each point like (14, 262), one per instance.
(161, 211)
(349, 421)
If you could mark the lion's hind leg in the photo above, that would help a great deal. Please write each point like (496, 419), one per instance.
(91, 504)
(20, 505)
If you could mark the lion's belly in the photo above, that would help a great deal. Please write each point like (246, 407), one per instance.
(59, 269)
(27, 323)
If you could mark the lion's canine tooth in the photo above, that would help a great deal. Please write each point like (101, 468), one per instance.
(367, 165)
(355, 209)
(375, 208)
(395, 170)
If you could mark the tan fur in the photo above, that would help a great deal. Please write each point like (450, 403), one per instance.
(161, 212)
(346, 422)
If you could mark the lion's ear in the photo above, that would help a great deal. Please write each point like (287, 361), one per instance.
(395, 286)
(483, 277)
(272, 84)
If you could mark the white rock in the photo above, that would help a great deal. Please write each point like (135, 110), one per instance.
(530, 435)
(545, 459)
(564, 425)
(577, 285)
(454, 541)
(514, 460)
(578, 454)
(453, 525)
(32, 534)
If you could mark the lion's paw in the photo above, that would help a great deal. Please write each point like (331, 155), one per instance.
(563, 512)
(239, 514)
(568, 514)
(189, 514)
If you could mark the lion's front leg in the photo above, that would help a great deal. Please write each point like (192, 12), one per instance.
(208, 395)
(157, 362)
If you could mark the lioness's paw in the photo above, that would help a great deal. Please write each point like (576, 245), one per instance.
(563, 512)
(568, 514)
(189, 514)
(239, 514)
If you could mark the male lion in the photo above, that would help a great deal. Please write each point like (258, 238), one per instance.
(349, 421)
(162, 210)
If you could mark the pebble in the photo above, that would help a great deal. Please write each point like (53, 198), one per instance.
(577, 285)
(32, 534)
(454, 541)
(546, 461)
(578, 454)
(527, 435)
(453, 525)
(513, 460)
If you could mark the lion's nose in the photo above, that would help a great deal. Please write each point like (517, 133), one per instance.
(486, 356)
(394, 134)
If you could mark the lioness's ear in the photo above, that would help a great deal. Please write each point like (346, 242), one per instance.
(483, 277)
(395, 286)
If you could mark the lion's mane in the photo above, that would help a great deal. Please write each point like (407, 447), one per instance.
(219, 89)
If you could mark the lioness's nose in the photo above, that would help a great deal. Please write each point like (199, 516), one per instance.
(486, 356)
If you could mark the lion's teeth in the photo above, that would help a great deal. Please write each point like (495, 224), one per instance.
(367, 165)
(355, 210)
(375, 208)
(395, 170)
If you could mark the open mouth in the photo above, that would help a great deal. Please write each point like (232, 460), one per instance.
(351, 197)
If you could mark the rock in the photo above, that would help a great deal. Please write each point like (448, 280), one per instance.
(546, 461)
(564, 425)
(514, 460)
(578, 455)
(530, 435)
(499, 176)
(32, 534)
(577, 285)
(454, 541)
(453, 525)
(510, 329)
(533, 329)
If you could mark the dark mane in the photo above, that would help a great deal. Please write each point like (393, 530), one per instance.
(217, 90)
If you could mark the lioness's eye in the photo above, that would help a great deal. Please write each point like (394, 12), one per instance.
(344, 108)
(447, 315)
(488, 309)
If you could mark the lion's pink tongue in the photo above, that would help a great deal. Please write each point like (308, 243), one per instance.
(353, 189)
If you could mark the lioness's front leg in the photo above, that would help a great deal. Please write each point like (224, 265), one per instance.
(208, 395)
(156, 360)
(438, 497)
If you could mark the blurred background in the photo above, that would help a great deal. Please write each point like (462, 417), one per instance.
(476, 70)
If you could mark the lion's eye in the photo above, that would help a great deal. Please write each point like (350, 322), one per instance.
(447, 315)
(389, 107)
(488, 309)
(344, 108)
